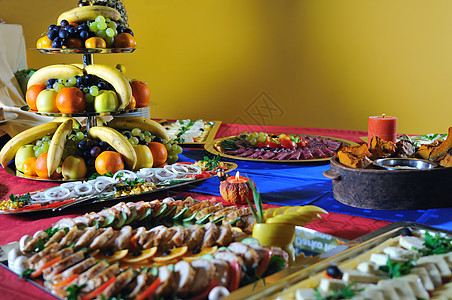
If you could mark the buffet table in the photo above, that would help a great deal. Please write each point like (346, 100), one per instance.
(279, 184)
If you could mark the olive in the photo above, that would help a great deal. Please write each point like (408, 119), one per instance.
(196, 250)
(136, 253)
(406, 232)
(166, 253)
(109, 252)
(334, 271)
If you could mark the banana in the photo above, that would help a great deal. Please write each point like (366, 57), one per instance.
(88, 13)
(139, 122)
(57, 146)
(116, 79)
(25, 137)
(53, 71)
(117, 141)
(75, 123)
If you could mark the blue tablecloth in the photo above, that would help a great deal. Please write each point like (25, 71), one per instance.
(304, 183)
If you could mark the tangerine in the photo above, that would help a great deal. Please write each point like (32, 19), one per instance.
(125, 40)
(44, 43)
(41, 167)
(70, 100)
(32, 94)
(109, 161)
(95, 42)
(73, 43)
(132, 104)
(29, 166)
(159, 153)
(141, 92)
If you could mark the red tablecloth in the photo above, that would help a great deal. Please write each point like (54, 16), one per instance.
(12, 227)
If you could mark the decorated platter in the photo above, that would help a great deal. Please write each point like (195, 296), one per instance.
(356, 263)
(123, 185)
(191, 132)
(9, 117)
(86, 114)
(86, 51)
(295, 148)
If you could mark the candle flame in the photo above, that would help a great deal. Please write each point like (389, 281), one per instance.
(383, 115)
(237, 176)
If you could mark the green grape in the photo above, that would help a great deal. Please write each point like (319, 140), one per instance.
(174, 147)
(164, 142)
(46, 138)
(93, 26)
(45, 148)
(62, 80)
(59, 170)
(261, 138)
(85, 90)
(35, 147)
(148, 139)
(72, 81)
(101, 26)
(168, 147)
(134, 141)
(38, 152)
(94, 90)
(136, 131)
(253, 141)
(39, 143)
(147, 133)
(89, 98)
(179, 149)
(107, 20)
(101, 34)
(172, 159)
(112, 25)
(255, 135)
(110, 32)
(80, 136)
(100, 19)
(109, 40)
(141, 135)
(67, 84)
(57, 86)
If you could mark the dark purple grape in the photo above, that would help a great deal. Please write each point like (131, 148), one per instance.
(108, 86)
(81, 81)
(128, 30)
(334, 271)
(406, 232)
(84, 34)
(72, 31)
(110, 148)
(52, 34)
(58, 27)
(157, 139)
(95, 151)
(82, 26)
(120, 29)
(89, 78)
(128, 135)
(63, 34)
(90, 161)
(64, 23)
(86, 154)
(93, 143)
(141, 141)
(51, 81)
(101, 85)
(52, 27)
(103, 145)
(83, 145)
(91, 34)
(57, 42)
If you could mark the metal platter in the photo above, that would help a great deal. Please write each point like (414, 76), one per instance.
(85, 51)
(211, 147)
(212, 131)
(85, 114)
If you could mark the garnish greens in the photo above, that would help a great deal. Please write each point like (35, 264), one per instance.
(95, 175)
(23, 198)
(397, 269)
(211, 163)
(228, 145)
(258, 212)
(183, 129)
(40, 245)
(73, 291)
(435, 244)
(344, 293)
(51, 231)
(25, 274)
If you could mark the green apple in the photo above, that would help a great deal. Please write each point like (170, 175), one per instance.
(106, 100)
(144, 157)
(74, 167)
(22, 154)
(45, 102)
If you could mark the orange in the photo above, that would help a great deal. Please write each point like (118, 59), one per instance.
(73, 43)
(109, 161)
(75, 24)
(44, 43)
(32, 94)
(141, 93)
(41, 167)
(95, 42)
(29, 166)
(125, 40)
(132, 104)
(70, 100)
(159, 153)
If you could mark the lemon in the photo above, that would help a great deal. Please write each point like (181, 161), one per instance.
(145, 254)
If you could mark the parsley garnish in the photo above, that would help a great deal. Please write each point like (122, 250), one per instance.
(228, 144)
(73, 291)
(211, 163)
(23, 198)
(39, 245)
(95, 175)
(435, 244)
(344, 293)
(397, 269)
(51, 231)
(25, 274)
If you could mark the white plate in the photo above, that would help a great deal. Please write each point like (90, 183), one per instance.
(9, 117)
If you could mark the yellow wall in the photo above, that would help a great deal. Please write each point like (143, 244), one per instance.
(315, 63)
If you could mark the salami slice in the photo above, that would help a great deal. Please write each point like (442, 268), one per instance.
(246, 153)
(295, 155)
(306, 154)
(256, 154)
(268, 155)
(319, 154)
(281, 155)
(235, 152)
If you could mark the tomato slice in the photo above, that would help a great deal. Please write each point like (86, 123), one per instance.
(272, 145)
(205, 294)
(150, 290)
(259, 145)
(288, 144)
(263, 265)
(235, 269)
(301, 144)
(99, 290)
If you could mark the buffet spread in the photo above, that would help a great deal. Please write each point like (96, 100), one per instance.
(186, 248)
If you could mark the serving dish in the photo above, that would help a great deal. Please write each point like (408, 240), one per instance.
(215, 148)
(176, 129)
(9, 117)
(111, 194)
(284, 284)
(404, 164)
(390, 189)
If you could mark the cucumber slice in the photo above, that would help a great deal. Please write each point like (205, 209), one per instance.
(218, 220)
(146, 214)
(249, 240)
(132, 216)
(160, 211)
(167, 222)
(190, 218)
(234, 221)
(108, 221)
(205, 219)
(122, 218)
(180, 214)
(168, 212)
(154, 271)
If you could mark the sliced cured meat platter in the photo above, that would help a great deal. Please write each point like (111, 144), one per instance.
(310, 148)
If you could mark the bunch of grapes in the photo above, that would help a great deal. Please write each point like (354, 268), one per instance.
(173, 150)
(90, 149)
(41, 146)
(69, 35)
(256, 137)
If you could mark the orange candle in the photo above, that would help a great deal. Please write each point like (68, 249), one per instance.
(385, 127)
(237, 178)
